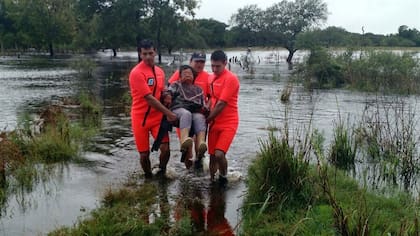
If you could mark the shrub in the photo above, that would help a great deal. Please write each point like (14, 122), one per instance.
(343, 149)
(322, 70)
(279, 174)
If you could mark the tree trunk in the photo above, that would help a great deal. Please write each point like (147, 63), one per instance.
(290, 56)
(158, 38)
(51, 49)
(158, 49)
(2, 174)
(114, 52)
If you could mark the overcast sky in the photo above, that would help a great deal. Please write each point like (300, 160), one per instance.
(376, 16)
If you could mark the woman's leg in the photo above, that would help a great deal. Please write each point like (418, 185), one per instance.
(185, 120)
(199, 122)
(200, 126)
(184, 116)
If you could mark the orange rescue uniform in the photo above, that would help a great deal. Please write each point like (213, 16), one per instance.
(224, 87)
(144, 118)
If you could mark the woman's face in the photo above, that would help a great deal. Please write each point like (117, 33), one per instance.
(187, 76)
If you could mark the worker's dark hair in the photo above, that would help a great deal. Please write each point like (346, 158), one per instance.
(145, 43)
(218, 55)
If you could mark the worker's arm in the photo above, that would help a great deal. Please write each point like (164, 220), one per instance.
(220, 105)
(153, 102)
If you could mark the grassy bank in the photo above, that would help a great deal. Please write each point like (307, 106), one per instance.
(342, 208)
(290, 195)
(55, 134)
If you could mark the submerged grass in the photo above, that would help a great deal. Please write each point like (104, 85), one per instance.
(335, 204)
(127, 212)
(90, 110)
(387, 134)
(344, 147)
(27, 152)
(278, 159)
(367, 70)
(289, 196)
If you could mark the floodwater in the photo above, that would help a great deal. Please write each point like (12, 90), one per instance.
(75, 189)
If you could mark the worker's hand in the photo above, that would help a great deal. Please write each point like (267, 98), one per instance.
(205, 111)
(167, 100)
(208, 121)
(171, 117)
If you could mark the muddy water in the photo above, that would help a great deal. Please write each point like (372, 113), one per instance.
(77, 188)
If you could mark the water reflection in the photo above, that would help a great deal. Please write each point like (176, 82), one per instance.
(205, 206)
(217, 224)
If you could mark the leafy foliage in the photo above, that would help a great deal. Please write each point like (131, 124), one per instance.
(281, 23)
(42, 23)
(374, 71)
(89, 25)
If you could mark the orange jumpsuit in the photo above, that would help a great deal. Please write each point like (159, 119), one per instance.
(224, 87)
(145, 119)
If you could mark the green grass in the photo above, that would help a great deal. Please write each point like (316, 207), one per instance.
(334, 202)
(84, 66)
(278, 159)
(126, 212)
(382, 214)
(344, 147)
(371, 71)
(32, 147)
(90, 110)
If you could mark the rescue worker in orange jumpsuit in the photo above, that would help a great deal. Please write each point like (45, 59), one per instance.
(223, 119)
(146, 84)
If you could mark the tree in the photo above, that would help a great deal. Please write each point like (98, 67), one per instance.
(120, 22)
(88, 15)
(397, 41)
(172, 32)
(285, 20)
(249, 21)
(212, 31)
(6, 28)
(334, 36)
(165, 15)
(43, 23)
(191, 37)
(409, 34)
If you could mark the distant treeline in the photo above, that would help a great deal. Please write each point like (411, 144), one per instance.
(90, 25)
(338, 37)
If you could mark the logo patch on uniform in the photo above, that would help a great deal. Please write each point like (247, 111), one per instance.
(151, 81)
